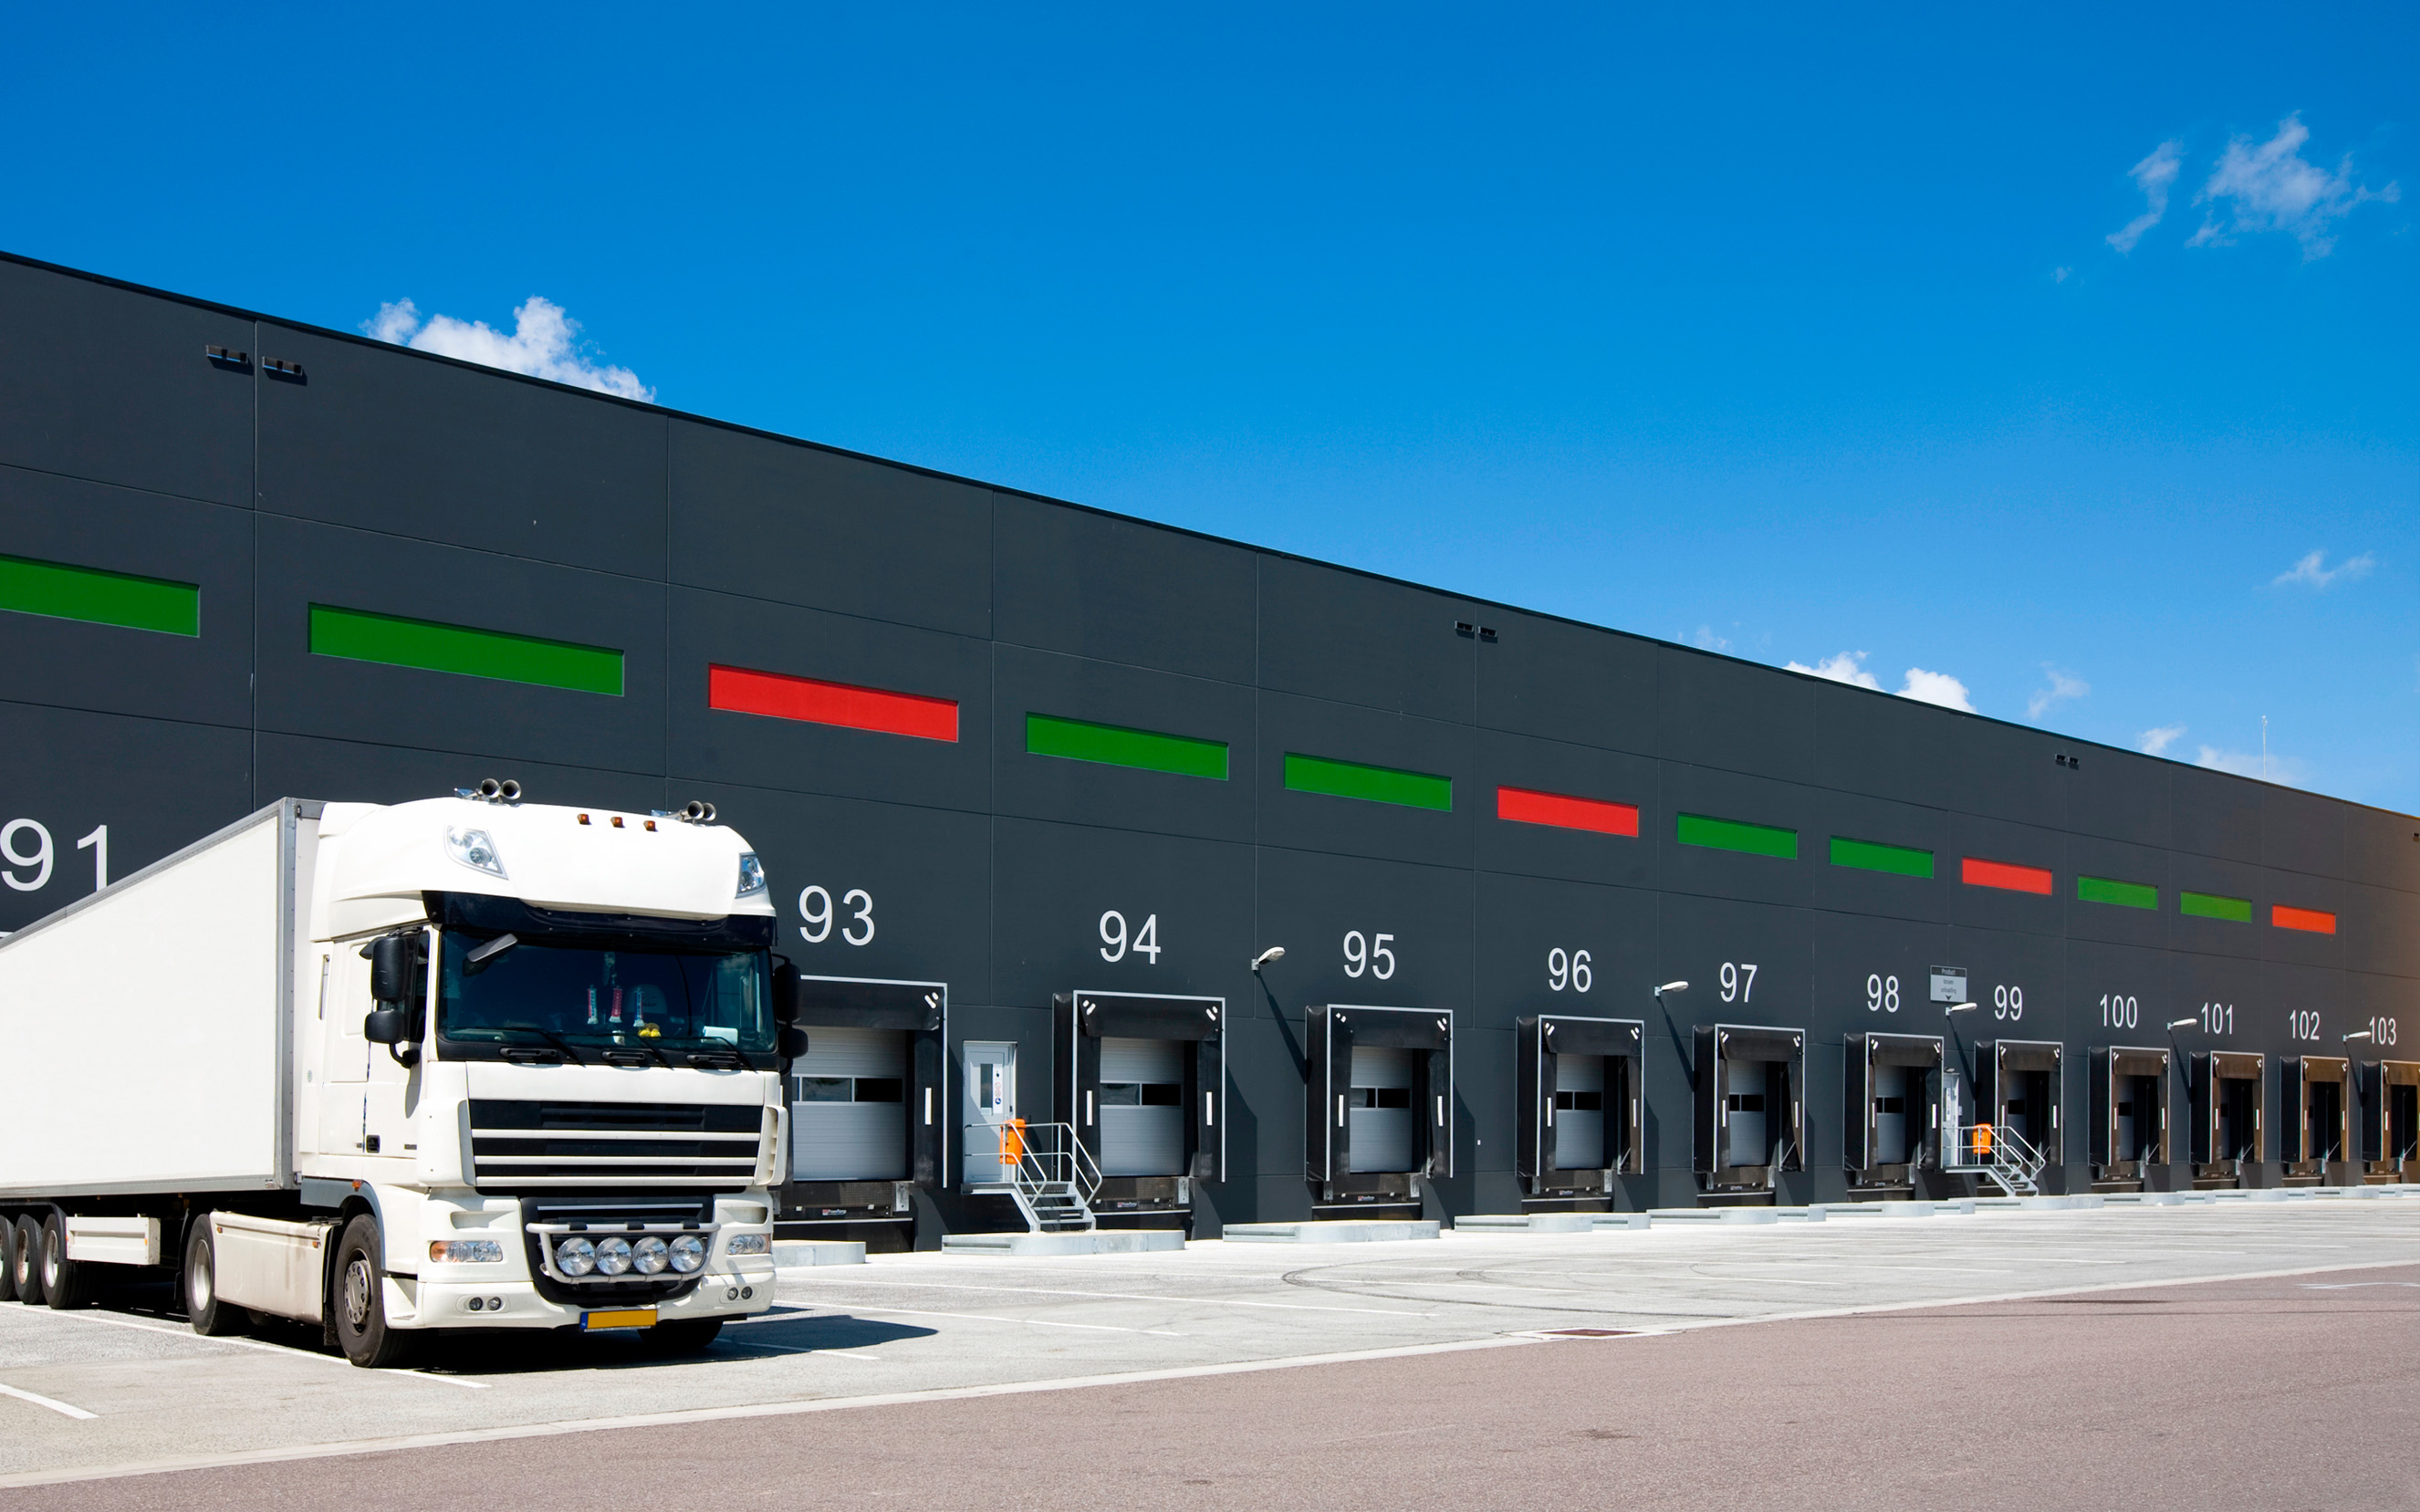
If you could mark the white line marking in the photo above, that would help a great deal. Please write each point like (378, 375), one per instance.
(1033, 1322)
(1018, 1388)
(291, 1353)
(1136, 1296)
(55, 1405)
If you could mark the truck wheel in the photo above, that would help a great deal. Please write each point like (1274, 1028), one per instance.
(200, 1283)
(687, 1335)
(357, 1300)
(65, 1283)
(8, 1259)
(24, 1252)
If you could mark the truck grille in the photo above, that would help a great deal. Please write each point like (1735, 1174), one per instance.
(530, 1144)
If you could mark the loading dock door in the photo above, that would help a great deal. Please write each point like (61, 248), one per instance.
(868, 1109)
(1751, 1107)
(1142, 1107)
(1375, 1122)
(1892, 1104)
(1576, 1095)
(2226, 1098)
(2130, 1110)
(1142, 1078)
(848, 1107)
(2024, 1082)
(2316, 1126)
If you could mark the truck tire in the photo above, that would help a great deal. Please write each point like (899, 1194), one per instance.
(687, 1335)
(25, 1267)
(8, 1259)
(66, 1284)
(199, 1284)
(357, 1300)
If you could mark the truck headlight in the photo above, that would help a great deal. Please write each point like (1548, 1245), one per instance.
(612, 1256)
(648, 1256)
(474, 849)
(466, 1251)
(688, 1253)
(752, 875)
(575, 1256)
(749, 1244)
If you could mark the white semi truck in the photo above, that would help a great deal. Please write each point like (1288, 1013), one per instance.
(460, 1063)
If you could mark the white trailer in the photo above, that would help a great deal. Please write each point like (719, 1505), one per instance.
(458, 1063)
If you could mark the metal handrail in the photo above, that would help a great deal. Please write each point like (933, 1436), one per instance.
(1035, 1155)
(1995, 1151)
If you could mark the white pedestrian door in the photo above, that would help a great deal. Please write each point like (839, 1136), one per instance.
(986, 1099)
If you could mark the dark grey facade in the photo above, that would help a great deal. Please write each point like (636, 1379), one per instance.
(387, 482)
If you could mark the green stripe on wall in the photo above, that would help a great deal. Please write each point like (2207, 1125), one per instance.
(2124, 894)
(97, 597)
(2210, 906)
(1373, 784)
(1871, 856)
(1078, 740)
(358, 635)
(1732, 835)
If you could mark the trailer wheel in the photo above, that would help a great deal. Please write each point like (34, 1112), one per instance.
(200, 1284)
(25, 1250)
(65, 1283)
(8, 1259)
(357, 1300)
(687, 1335)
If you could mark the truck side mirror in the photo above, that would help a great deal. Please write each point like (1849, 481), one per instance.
(794, 1042)
(390, 969)
(785, 994)
(387, 1025)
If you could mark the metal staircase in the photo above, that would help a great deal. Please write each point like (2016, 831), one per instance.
(1044, 1169)
(1997, 1152)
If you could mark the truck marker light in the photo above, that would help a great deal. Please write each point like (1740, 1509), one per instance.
(584, 819)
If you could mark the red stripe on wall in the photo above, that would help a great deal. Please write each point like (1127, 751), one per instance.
(1564, 812)
(2313, 920)
(779, 697)
(1980, 873)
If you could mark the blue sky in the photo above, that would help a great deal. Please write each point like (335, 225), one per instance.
(1798, 337)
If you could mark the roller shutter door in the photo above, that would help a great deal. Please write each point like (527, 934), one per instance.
(1142, 1113)
(1379, 1109)
(1579, 1113)
(849, 1109)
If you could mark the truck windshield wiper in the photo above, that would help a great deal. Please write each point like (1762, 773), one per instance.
(476, 960)
(549, 1036)
(734, 1057)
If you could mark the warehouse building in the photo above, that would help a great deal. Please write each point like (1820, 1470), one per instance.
(1257, 888)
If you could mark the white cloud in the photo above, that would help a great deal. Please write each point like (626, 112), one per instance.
(1935, 688)
(1924, 687)
(1843, 668)
(2156, 742)
(2314, 572)
(2272, 768)
(543, 345)
(1708, 640)
(2154, 175)
(2063, 685)
(2059, 275)
(2268, 187)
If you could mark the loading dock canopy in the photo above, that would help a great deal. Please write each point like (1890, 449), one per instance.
(2315, 1094)
(1893, 1102)
(920, 1011)
(1751, 1084)
(1332, 1032)
(1193, 1029)
(2020, 1084)
(2130, 1131)
(2389, 1113)
(1543, 1047)
(2226, 1096)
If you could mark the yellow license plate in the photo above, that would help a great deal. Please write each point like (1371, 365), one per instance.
(620, 1318)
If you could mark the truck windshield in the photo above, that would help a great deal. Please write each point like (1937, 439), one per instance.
(579, 994)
